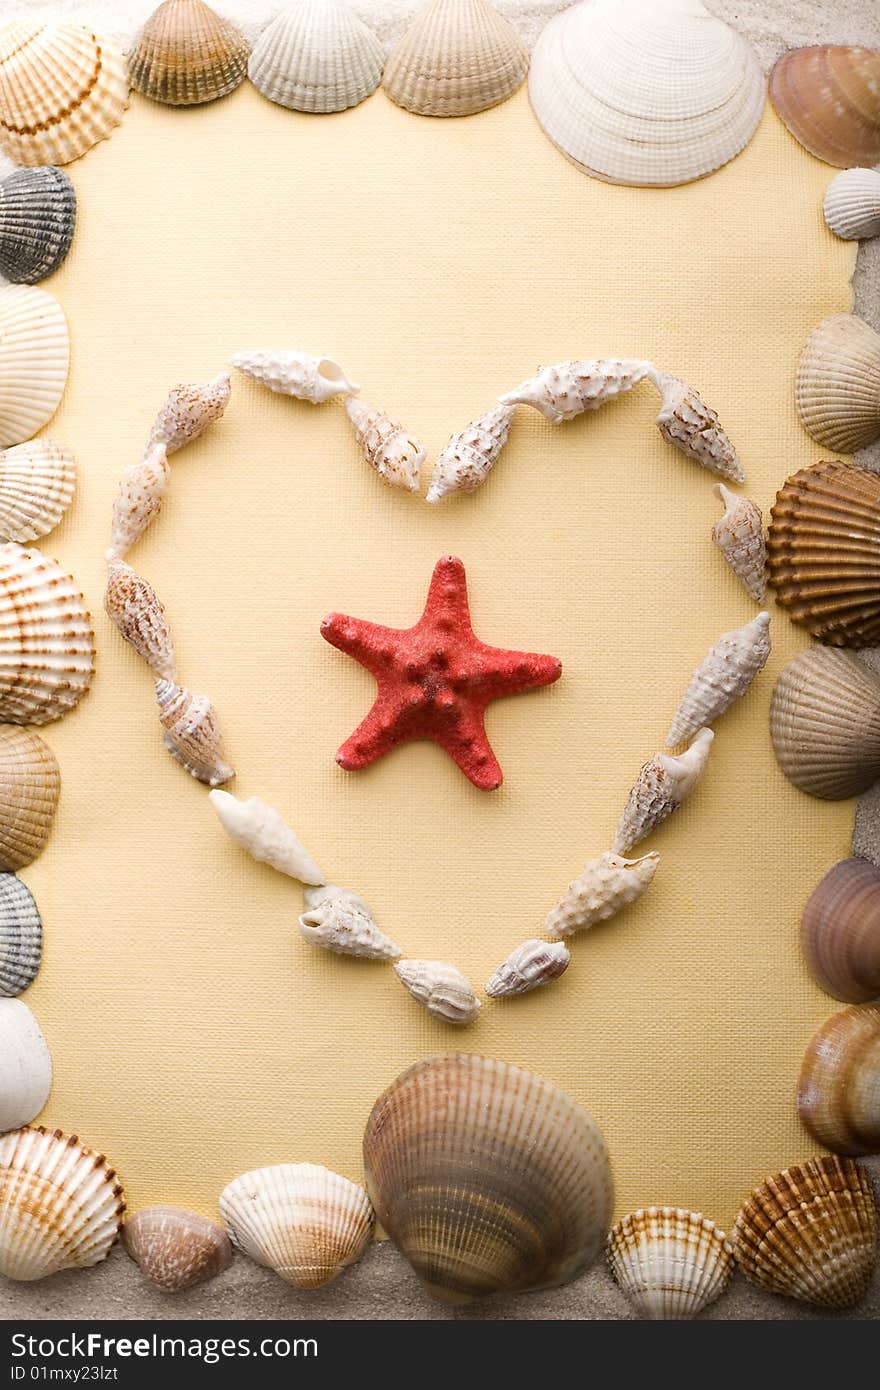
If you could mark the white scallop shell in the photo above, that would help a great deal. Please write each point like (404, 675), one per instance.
(458, 57)
(607, 885)
(25, 1066)
(21, 936)
(192, 733)
(340, 921)
(138, 502)
(837, 387)
(37, 483)
(396, 456)
(739, 535)
(852, 204)
(316, 56)
(189, 408)
(265, 835)
(662, 785)
(723, 676)
(568, 389)
(465, 462)
(34, 361)
(133, 606)
(444, 990)
(686, 421)
(531, 964)
(291, 373)
(47, 647)
(672, 1263)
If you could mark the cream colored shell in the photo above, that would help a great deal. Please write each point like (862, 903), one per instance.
(189, 408)
(739, 535)
(459, 56)
(134, 608)
(662, 785)
(686, 421)
(837, 387)
(25, 1066)
(139, 498)
(465, 462)
(37, 483)
(316, 56)
(723, 676)
(192, 733)
(396, 455)
(531, 964)
(607, 885)
(825, 723)
(34, 361)
(671, 1263)
(340, 921)
(186, 54)
(567, 389)
(293, 373)
(852, 204)
(443, 990)
(265, 835)
(30, 785)
(47, 647)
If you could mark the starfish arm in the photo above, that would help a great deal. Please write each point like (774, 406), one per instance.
(507, 673)
(447, 606)
(468, 745)
(371, 644)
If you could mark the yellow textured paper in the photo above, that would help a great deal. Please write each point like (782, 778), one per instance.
(194, 1034)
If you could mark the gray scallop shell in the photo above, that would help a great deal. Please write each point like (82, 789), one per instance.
(37, 218)
(21, 936)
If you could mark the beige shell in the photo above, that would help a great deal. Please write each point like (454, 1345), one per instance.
(138, 501)
(176, 1249)
(134, 608)
(189, 408)
(34, 361)
(186, 54)
(567, 389)
(30, 785)
(292, 373)
(840, 931)
(852, 204)
(299, 1219)
(61, 1204)
(443, 990)
(47, 647)
(671, 1263)
(192, 733)
(531, 964)
(829, 97)
(396, 456)
(465, 462)
(686, 421)
(723, 676)
(459, 56)
(837, 388)
(607, 885)
(37, 483)
(487, 1178)
(265, 835)
(739, 535)
(825, 723)
(340, 921)
(61, 91)
(316, 56)
(839, 1085)
(25, 1066)
(810, 1233)
(662, 785)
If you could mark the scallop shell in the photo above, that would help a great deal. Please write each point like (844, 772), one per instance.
(190, 407)
(670, 1262)
(316, 56)
(60, 1204)
(825, 723)
(840, 931)
(299, 1219)
(192, 733)
(340, 921)
(176, 1249)
(465, 462)
(37, 483)
(739, 535)
(839, 1085)
(829, 97)
(529, 965)
(723, 676)
(37, 218)
(837, 389)
(21, 936)
(61, 91)
(139, 497)
(47, 647)
(487, 1178)
(445, 992)
(459, 56)
(567, 389)
(265, 835)
(686, 421)
(30, 784)
(134, 608)
(643, 93)
(662, 785)
(186, 54)
(25, 1066)
(852, 204)
(34, 361)
(396, 456)
(606, 886)
(810, 1233)
(313, 379)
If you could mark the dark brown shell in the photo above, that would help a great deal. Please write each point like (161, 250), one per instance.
(840, 931)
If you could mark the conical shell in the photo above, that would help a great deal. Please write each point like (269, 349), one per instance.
(723, 676)
(829, 97)
(190, 407)
(313, 379)
(837, 389)
(670, 1262)
(739, 535)
(396, 456)
(61, 91)
(21, 936)
(301, 1220)
(645, 93)
(686, 421)
(465, 462)
(531, 964)
(316, 56)
(37, 218)
(47, 647)
(192, 733)
(852, 204)
(138, 501)
(60, 1204)
(458, 57)
(567, 389)
(34, 361)
(825, 723)
(340, 921)
(443, 990)
(25, 1066)
(810, 1233)
(186, 54)
(37, 483)
(176, 1249)
(30, 784)
(265, 835)
(840, 931)
(134, 608)
(487, 1178)
(662, 785)
(607, 885)
(839, 1085)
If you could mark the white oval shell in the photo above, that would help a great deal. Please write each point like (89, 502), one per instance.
(47, 647)
(21, 936)
(686, 421)
(316, 56)
(189, 408)
(465, 462)
(531, 964)
(192, 733)
(25, 1065)
(291, 373)
(607, 885)
(444, 990)
(34, 361)
(837, 387)
(672, 1263)
(340, 921)
(722, 677)
(567, 389)
(458, 57)
(396, 456)
(134, 608)
(265, 835)
(852, 204)
(739, 535)
(662, 785)
(37, 483)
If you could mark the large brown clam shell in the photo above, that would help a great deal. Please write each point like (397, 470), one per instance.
(839, 1085)
(840, 931)
(829, 97)
(825, 723)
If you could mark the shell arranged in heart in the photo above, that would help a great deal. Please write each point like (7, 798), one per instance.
(47, 647)
(607, 885)
(829, 97)
(486, 1177)
(739, 535)
(30, 785)
(176, 1249)
(37, 218)
(21, 936)
(465, 462)
(458, 57)
(292, 373)
(662, 785)
(340, 921)
(34, 361)
(37, 483)
(316, 56)
(531, 964)
(825, 723)
(852, 204)
(265, 835)
(133, 606)
(138, 501)
(671, 1263)
(442, 988)
(837, 388)
(189, 408)
(192, 733)
(840, 931)
(25, 1065)
(396, 455)
(567, 389)
(839, 1086)
(186, 54)
(723, 676)
(686, 421)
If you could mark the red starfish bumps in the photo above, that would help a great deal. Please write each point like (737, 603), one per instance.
(435, 679)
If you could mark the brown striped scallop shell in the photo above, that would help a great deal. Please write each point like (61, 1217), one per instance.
(30, 785)
(47, 647)
(186, 54)
(825, 723)
(671, 1263)
(840, 931)
(839, 1085)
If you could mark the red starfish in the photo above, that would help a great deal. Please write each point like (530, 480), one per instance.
(435, 679)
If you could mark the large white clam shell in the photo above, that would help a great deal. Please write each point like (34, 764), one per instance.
(265, 835)
(852, 204)
(47, 647)
(34, 361)
(459, 56)
(25, 1066)
(340, 921)
(316, 56)
(293, 373)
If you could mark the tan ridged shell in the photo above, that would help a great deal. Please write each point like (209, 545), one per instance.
(265, 835)
(852, 204)
(189, 408)
(340, 921)
(186, 54)
(671, 1263)
(465, 462)
(837, 388)
(840, 931)
(37, 483)
(21, 936)
(531, 964)
(487, 1178)
(298, 374)
(660, 788)
(30, 785)
(134, 608)
(607, 885)
(138, 501)
(825, 723)
(687, 422)
(396, 456)
(316, 56)
(458, 57)
(37, 220)
(60, 1204)
(25, 1066)
(192, 733)
(810, 1233)
(829, 97)
(47, 647)
(739, 535)
(441, 988)
(299, 1219)
(176, 1249)
(723, 676)
(567, 389)
(839, 1085)
(34, 361)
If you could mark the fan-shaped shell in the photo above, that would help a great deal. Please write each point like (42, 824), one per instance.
(47, 647)
(829, 97)
(825, 723)
(531, 964)
(176, 1249)
(134, 607)
(61, 91)
(837, 388)
(458, 57)
(840, 931)
(186, 54)
(25, 1065)
(839, 1086)
(37, 483)
(670, 1262)
(192, 733)
(739, 535)
(30, 784)
(852, 204)
(21, 936)
(37, 218)
(488, 1178)
(316, 56)
(34, 361)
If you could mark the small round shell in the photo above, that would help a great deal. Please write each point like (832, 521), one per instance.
(37, 483)
(825, 723)
(837, 387)
(852, 204)
(21, 936)
(37, 218)
(531, 964)
(671, 1263)
(176, 1249)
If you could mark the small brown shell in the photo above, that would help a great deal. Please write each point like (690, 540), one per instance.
(840, 931)
(176, 1249)
(134, 608)
(30, 785)
(186, 54)
(829, 97)
(825, 723)
(839, 1086)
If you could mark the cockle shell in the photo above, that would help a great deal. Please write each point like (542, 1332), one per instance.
(458, 57)
(47, 647)
(265, 836)
(840, 931)
(37, 218)
(529, 965)
(568, 389)
(299, 1219)
(142, 488)
(61, 91)
(839, 1085)
(34, 361)
(686, 421)
(192, 733)
(810, 1233)
(25, 1066)
(314, 379)
(852, 204)
(176, 1249)
(487, 1178)
(61, 1204)
(466, 461)
(739, 535)
(316, 56)
(670, 1262)
(662, 785)
(340, 921)
(30, 785)
(837, 388)
(396, 456)
(186, 54)
(37, 483)
(723, 676)
(134, 608)
(825, 723)
(190, 407)
(829, 97)
(607, 884)
(21, 936)
(445, 992)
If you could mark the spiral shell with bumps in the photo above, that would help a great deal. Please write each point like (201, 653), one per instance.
(723, 676)
(186, 54)
(607, 885)
(47, 645)
(21, 936)
(189, 408)
(531, 964)
(567, 389)
(292, 373)
(829, 97)
(176, 1249)
(465, 462)
(138, 501)
(840, 931)
(37, 483)
(825, 723)
(396, 456)
(839, 1086)
(134, 608)
(34, 361)
(671, 1263)
(30, 784)
(662, 785)
(739, 535)
(837, 387)
(265, 835)
(25, 1065)
(192, 733)
(340, 921)
(316, 56)
(852, 204)
(443, 990)
(37, 218)
(686, 421)
(458, 57)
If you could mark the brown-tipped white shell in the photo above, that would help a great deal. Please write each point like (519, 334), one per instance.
(825, 723)
(134, 608)
(292, 373)
(458, 57)
(662, 785)
(21, 936)
(316, 56)
(340, 921)
(852, 204)
(840, 931)
(37, 219)
(25, 1066)
(37, 483)
(396, 456)
(176, 1249)
(47, 647)
(61, 1204)
(192, 733)
(186, 54)
(810, 1233)
(30, 784)
(34, 361)
(265, 835)
(829, 97)
(567, 389)
(138, 502)
(837, 387)
(739, 535)
(607, 885)
(299, 1219)
(670, 1263)
(487, 1178)
(723, 676)
(531, 964)
(465, 462)
(442, 988)
(686, 421)
(189, 408)
(839, 1085)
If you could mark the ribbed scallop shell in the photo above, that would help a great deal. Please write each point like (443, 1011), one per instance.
(607, 885)
(531, 964)
(292, 373)
(299, 1219)
(340, 921)
(176, 1249)
(810, 1233)
(829, 97)
(670, 1262)
(441, 988)
(316, 56)
(837, 388)
(30, 785)
(186, 54)
(61, 91)
(396, 455)
(34, 361)
(839, 1085)
(37, 483)
(25, 1066)
(567, 389)
(723, 676)
(466, 460)
(60, 1204)
(192, 733)
(840, 931)
(852, 204)
(458, 57)
(687, 422)
(47, 647)
(134, 607)
(825, 723)
(189, 408)
(660, 788)
(21, 936)
(37, 218)
(138, 501)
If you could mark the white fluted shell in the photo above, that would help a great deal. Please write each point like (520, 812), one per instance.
(293, 373)
(670, 1262)
(25, 1066)
(34, 361)
(316, 56)
(837, 387)
(47, 647)
(458, 57)
(265, 835)
(852, 204)
(37, 483)
(21, 936)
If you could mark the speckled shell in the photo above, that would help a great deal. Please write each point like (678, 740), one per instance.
(176, 1249)
(810, 1233)
(829, 97)
(34, 361)
(825, 723)
(852, 204)
(60, 1204)
(37, 483)
(301, 1220)
(839, 1085)
(396, 456)
(316, 56)
(47, 647)
(25, 1066)
(458, 57)
(291, 373)
(487, 1178)
(21, 936)
(840, 931)
(686, 421)
(192, 733)
(340, 921)
(134, 608)
(739, 535)
(723, 676)
(189, 408)
(443, 990)
(265, 835)
(30, 784)
(607, 885)
(662, 785)
(37, 218)
(670, 1263)
(186, 54)
(837, 387)
(465, 462)
(138, 502)
(567, 389)
(531, 964)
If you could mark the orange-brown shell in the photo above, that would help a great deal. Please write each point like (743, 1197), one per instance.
(840, 931)
(829, 97)
(839, 1085)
